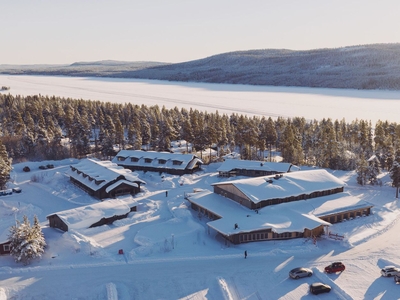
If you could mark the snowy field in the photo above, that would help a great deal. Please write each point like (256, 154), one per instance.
(169, 253)
(310, 103)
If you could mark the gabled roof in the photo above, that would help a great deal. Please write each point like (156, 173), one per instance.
(289, 184)
(285, 217)
(95, 173)
(182, 161)
(83, 217)
(232, 164)
(119, 182)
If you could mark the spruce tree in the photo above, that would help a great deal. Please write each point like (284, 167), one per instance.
(27, 242)
(362, 171)
(5, 166)
(395, 173)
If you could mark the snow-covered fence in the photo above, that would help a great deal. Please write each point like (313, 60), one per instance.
(335, 236)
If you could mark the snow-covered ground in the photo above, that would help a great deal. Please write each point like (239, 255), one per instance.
(170, 254)
(310, 103)
(168, 251)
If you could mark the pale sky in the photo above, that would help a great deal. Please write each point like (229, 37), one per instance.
(67, 31)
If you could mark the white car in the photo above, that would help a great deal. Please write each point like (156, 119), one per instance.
(389, 271)
(297, 273)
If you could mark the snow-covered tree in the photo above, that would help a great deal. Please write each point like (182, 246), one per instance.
(5, 166)
(27, 242)
(374, 169)
(362, 171)
(395, 175)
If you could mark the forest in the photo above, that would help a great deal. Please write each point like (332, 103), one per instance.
(41, 127)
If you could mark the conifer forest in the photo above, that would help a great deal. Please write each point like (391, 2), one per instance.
(50, 128)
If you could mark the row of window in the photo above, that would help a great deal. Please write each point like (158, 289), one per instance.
(150, 160)
(301, 197)
(347, 216)
(97, 182)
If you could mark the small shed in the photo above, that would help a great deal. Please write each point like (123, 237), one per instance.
(93, 215)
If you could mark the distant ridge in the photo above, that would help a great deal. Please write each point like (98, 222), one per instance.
(375, 66)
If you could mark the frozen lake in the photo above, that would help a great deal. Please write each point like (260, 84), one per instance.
(268, 101)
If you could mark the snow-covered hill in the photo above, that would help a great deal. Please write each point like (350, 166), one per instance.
(372, 66)
(168, 253)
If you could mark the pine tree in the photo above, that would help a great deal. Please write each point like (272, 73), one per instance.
(362, 171)
(395, 173)
(27, 242)
(374, 170)
(5, 166)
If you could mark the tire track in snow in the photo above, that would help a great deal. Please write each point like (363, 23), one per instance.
(112, 293)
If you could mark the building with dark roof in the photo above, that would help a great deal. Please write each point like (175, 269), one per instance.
(162, 162)
(104, 179)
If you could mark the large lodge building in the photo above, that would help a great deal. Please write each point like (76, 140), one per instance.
(290, 205)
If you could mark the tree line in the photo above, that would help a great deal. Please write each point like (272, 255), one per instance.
(48, 127)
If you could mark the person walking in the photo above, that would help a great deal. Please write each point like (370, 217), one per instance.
(245, 254)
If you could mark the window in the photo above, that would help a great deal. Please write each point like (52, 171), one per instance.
(120, 158)
(176, 162)
(148, 160)
(6, 247)
(134, 159)
(162, 161)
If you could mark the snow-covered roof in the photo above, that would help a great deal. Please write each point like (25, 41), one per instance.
(285, 217)
(286, 185)
(95, 173)
(232, 164)
(168, 160)
(83, 217)
(114, 185)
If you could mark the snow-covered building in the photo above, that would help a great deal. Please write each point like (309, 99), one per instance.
(104, 179)
(298, 204)
(93, 215)
(4, 243)
(163, 162)
(257, 192)
(252, 168)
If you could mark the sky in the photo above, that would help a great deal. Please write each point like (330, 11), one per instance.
(64, 32)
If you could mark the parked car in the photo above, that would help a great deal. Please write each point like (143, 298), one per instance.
(297, 273)
(389, 271)
(335, 267)
(42, 167)
(26, 169)
(50, 166)
(6, 192)
(16, 189)
(397, 277)
(319, 287)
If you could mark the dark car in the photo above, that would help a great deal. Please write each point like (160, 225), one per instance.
(297, 273)
(50, 166)
(26, 169)
(42, 167)
(335, 267)
(319, 287)
(397, 277)
(5, 192)
(16, 189)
